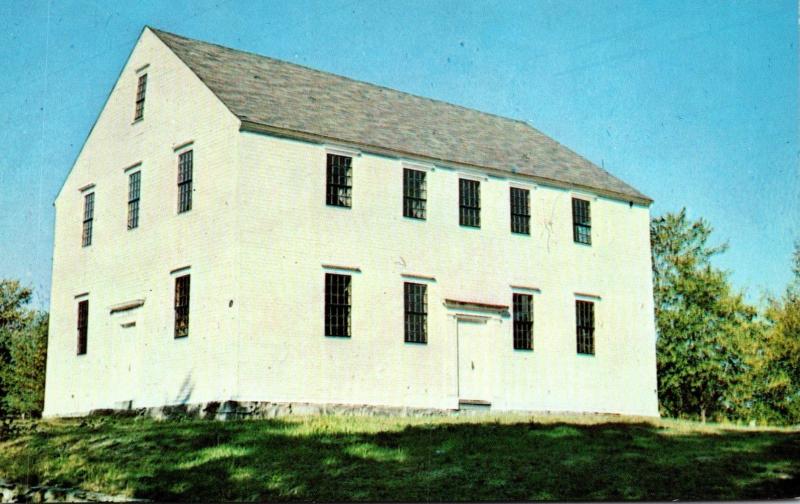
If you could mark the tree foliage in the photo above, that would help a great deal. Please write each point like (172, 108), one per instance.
(775, 375)
(702, 323)
(717, 355)
(23, 347)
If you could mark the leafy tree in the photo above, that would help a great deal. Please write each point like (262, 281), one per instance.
(23, 343)
(775, 376)
(24, 376)
(701, 322)
(13, 298)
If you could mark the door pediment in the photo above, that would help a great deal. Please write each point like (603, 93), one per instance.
(477, 306)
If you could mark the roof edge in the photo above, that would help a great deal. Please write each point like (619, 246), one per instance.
(250, 125)
(255, 127)
(97, 117)
(157, 33)
(317, 70)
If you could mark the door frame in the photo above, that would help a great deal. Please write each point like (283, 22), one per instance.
(476, 312)
(473, 319)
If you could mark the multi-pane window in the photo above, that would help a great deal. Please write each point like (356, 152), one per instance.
(581, 221)
(469, 199)
(416, 313)
(340, 180)
(414, 193)
(520, 211)
(134, 188)
(584, 322)
(141, 88)
(88, 218)
(185, 182)
(523, 322)
(337, 305)
(83, 326)
(182, 285)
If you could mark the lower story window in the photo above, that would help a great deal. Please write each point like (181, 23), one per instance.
(182, 306)
(523, 322)
(584, 318)
(416, 312)
(337, 305)
(83, 326)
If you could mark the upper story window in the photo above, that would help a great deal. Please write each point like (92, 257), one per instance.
(185, 181)
(414, 193)
(523, 321)
(340, 180)
(134, 188)
(182, 285)
(520, 211)
(83, 325)
(416, 312)
(581, 221)
(337, 305)
(584, 322)
(469, 199)
(141, 89)
(88, 218)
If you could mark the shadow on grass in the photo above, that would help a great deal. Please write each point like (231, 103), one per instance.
(329, 459)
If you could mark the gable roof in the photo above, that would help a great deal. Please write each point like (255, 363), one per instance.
(284, 97)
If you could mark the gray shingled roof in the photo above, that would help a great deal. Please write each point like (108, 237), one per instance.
(285, 96)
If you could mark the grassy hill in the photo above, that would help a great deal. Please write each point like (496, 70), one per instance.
(506, 457)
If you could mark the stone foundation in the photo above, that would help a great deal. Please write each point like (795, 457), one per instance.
(17, 492)
(234, 410)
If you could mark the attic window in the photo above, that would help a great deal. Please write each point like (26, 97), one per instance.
(141, 89)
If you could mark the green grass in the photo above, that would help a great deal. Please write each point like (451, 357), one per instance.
(411, 459)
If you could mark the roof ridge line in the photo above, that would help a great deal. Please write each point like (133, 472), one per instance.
(538, 143)
(316, 70)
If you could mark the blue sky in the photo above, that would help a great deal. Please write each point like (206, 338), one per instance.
(693, 103)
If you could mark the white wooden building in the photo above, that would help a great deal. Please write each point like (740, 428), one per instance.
(241, 228)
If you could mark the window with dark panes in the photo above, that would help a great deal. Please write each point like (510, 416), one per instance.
(182, 286)
(340, 180)
(88, 218)
(141, 89)
(337, 305)
(584, 314)
(520, 211)
(469, 198)
(523, 321)
(83, 326)
(134, 188)
(414, 193)
(185, 181)
(416, 313)
(581, 221)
